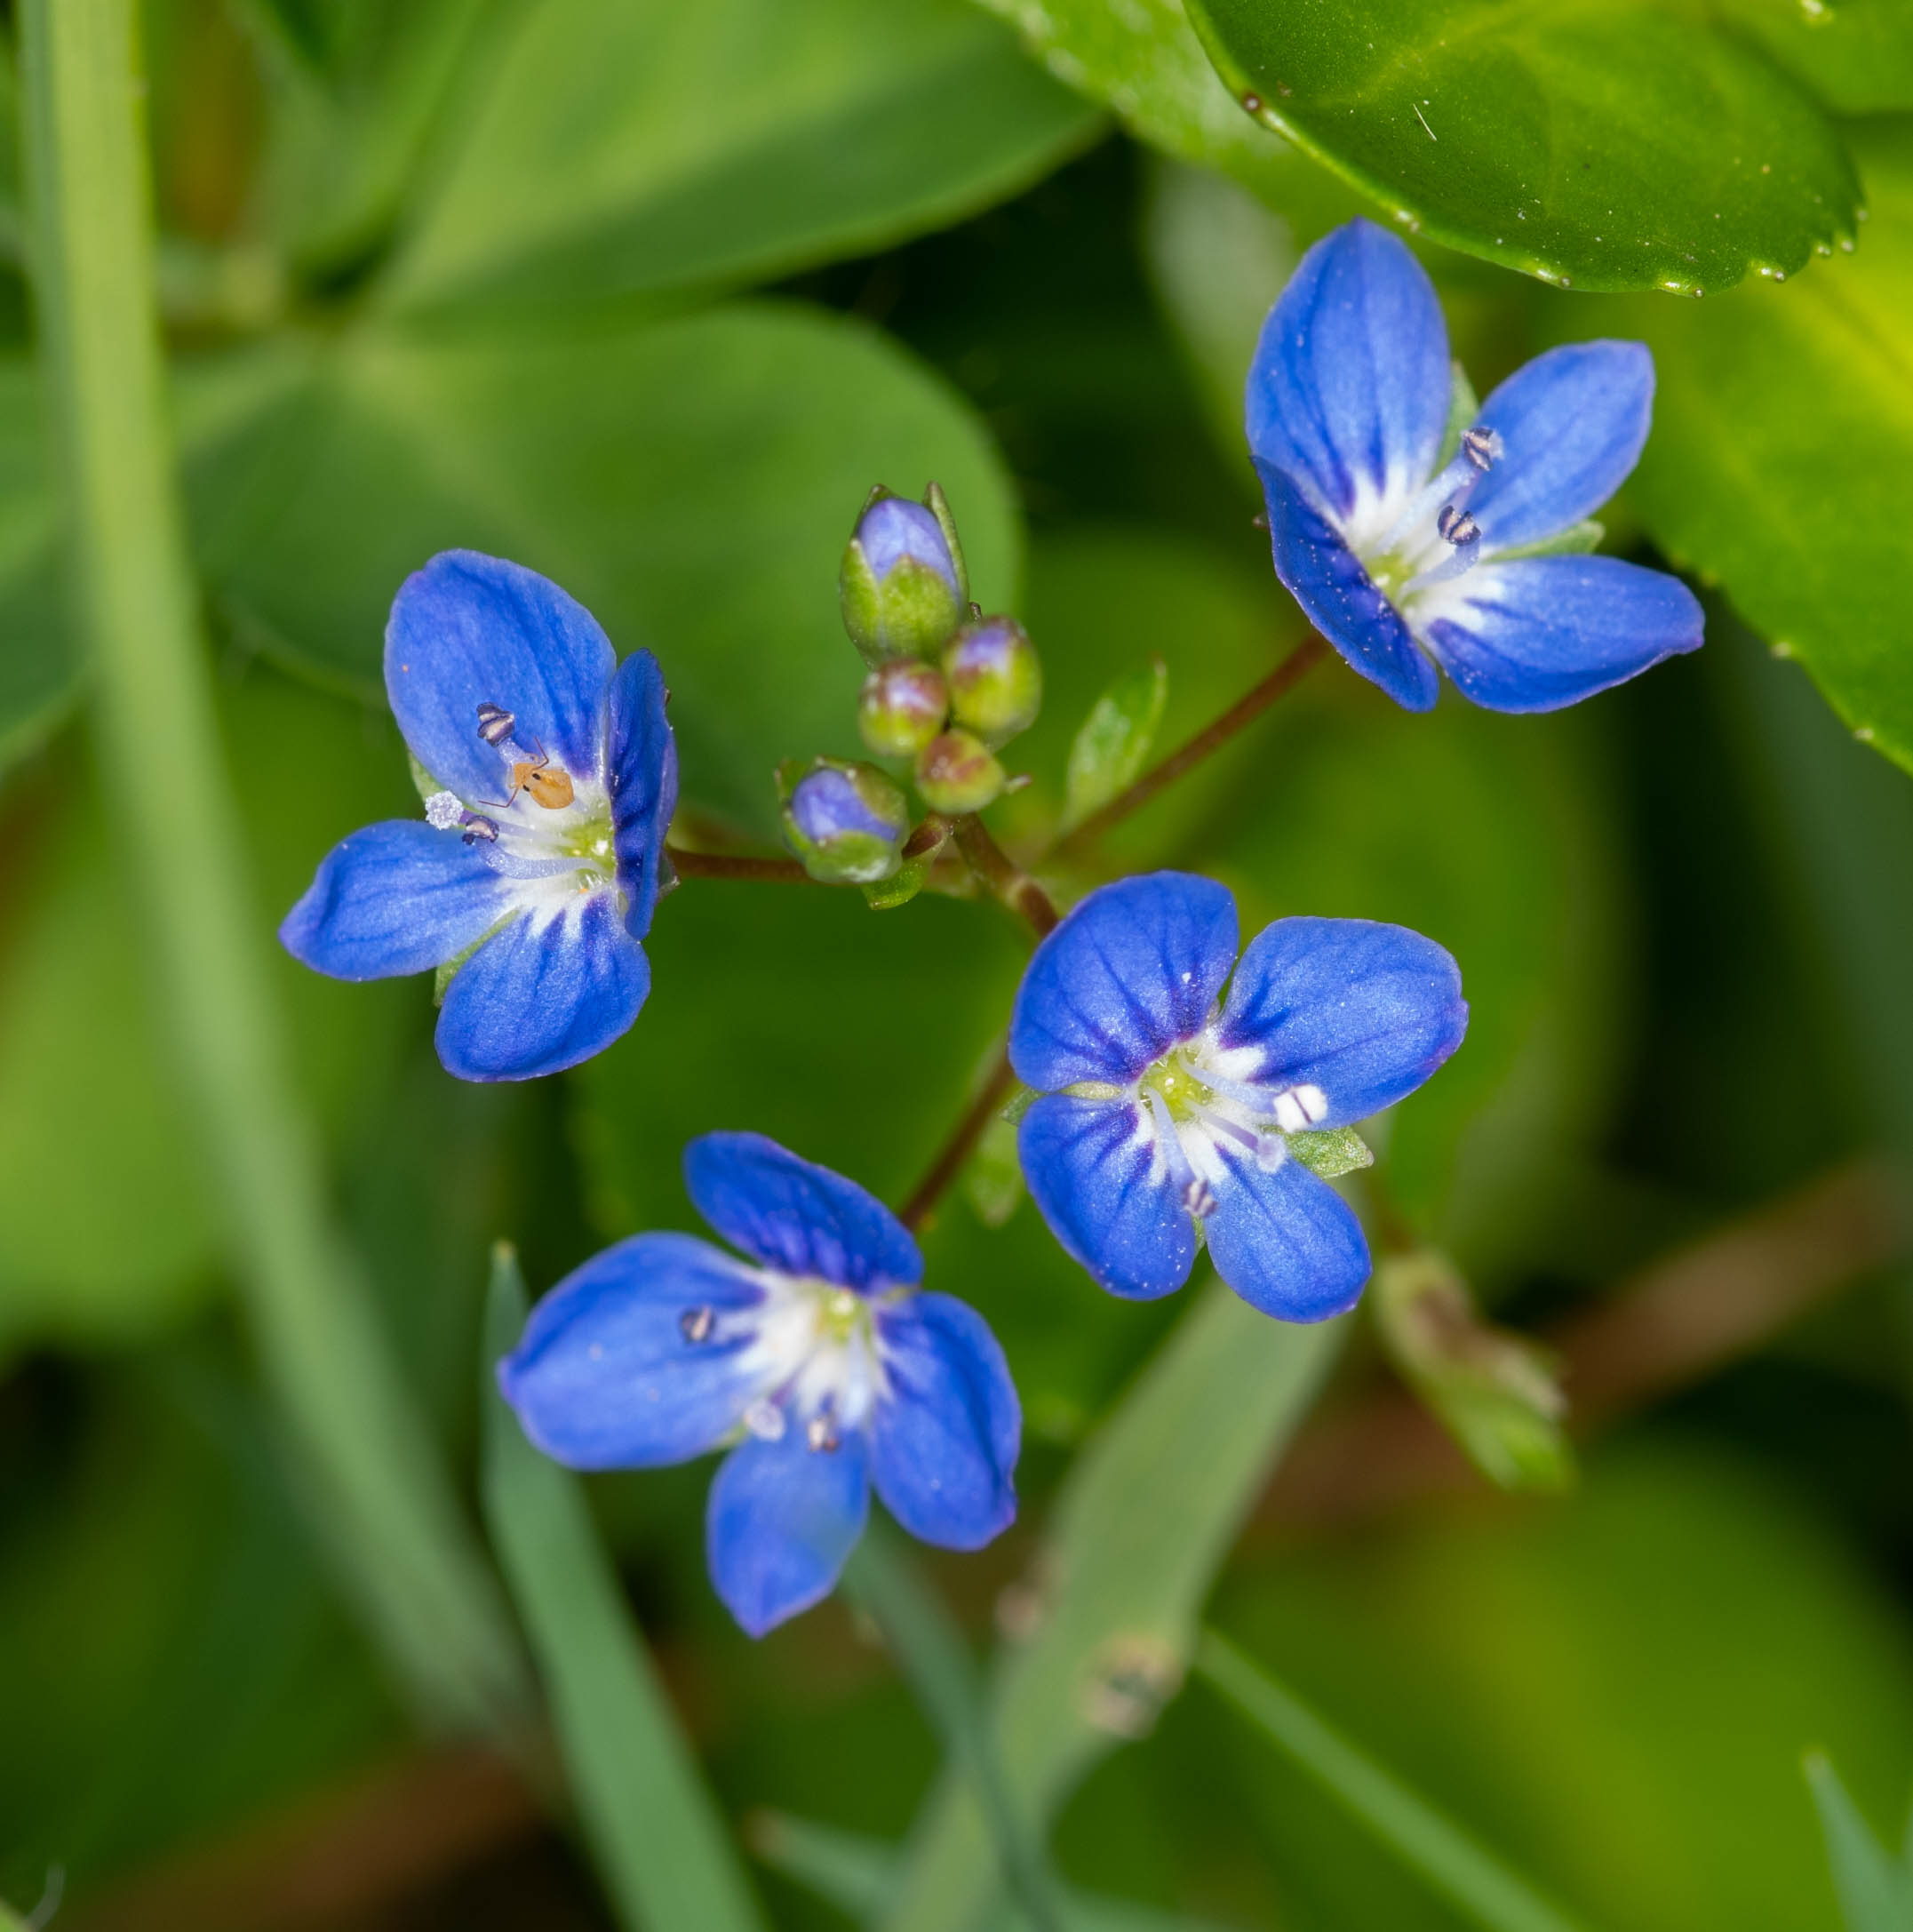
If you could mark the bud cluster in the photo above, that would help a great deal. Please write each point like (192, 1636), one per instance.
(947, 688)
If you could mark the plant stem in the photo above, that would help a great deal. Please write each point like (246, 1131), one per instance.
(956, 1149)
(385, 1508)
(1208, 741)
(930, 1651)
(1433, 1847)
(725, 865)
(1003, 876)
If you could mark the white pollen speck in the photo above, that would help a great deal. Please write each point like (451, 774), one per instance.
(1865, 734)
(443, 810)
(765, 1420)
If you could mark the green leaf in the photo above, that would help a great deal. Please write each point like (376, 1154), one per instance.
(1494, 1391)
(1876, 1890)
(651, 146)
(1143, 1522)
(1332, 1152)
(856, 1873)
(39, 666)
(1143, 59)
(657, 1840)
(1856, 55)
(1114, 742)
(992, 1182)
(1433, 1846)
(640, 466)
(1619, 145)
(1780, 465)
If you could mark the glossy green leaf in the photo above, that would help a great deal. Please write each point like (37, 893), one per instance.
(1144, 1519)
(1618, 145)
(1782, 460)
(1876, 1890)
(655, 1833)
(641, 467)
(1436, 1849)
(1112, 744)
(1495, 1392)
(1141, 60)
(652, 146)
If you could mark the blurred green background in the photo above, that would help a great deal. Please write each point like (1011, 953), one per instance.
(648, 298)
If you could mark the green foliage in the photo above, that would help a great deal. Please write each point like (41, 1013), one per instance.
(1112, 744)
(1145, 1517)
(657, 149)
(659, 1843)
(1782, 461)
(1617, 147)
(640, 466)
(1876, 1889)
(1495, 1393)
(1431, 1846)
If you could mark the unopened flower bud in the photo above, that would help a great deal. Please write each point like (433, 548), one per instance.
(901, 585)
(996, 685)
(901, 707)
(845, 822)
(957, 772)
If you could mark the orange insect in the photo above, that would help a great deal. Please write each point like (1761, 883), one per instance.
(548, 784)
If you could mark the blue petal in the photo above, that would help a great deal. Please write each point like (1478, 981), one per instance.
(827, 804)
(1538, 633)
(1088, 1165)
(894, 528)
(469, 630)
(1349, 389)
(944, 1435)
(543, 996)
(796, 1216)
(604, 1377)
(1131, 970)
(1572, 425)
(1326, 579)
(1365, 1012)
(641, 774)
(781, 1520)
(1288, 1244)
(398, 897)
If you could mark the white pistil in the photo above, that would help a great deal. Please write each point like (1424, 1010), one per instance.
(813, 1359)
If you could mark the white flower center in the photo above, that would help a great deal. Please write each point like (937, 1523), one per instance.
(813, 1357)
(1411, 543)
(1204, 1108)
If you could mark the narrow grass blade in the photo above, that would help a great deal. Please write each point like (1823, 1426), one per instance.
(384, 1501)
(856, 1873)
(1876, 1891)
(883, 1582)
(1433, 1847)
(1140, 1529)
(660, 1844)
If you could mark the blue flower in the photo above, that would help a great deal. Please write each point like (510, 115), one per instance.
(1399, 542)
(536, 870)
(819, 1358)
(1166, 1109)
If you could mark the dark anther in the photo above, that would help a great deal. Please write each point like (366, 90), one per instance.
(1457, 526)
(495, 723)
(478, 828)
(821, 1433)
(1478, 445)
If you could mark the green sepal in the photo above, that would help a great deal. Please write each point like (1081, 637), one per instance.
(1339, 1150)
(426, 786)
(888, 894)
(938, 505)
(993, 1181)
(1019, 1103)
(1463, 407)
(1495, 1393)
(1576, 540)
(1114, 741)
